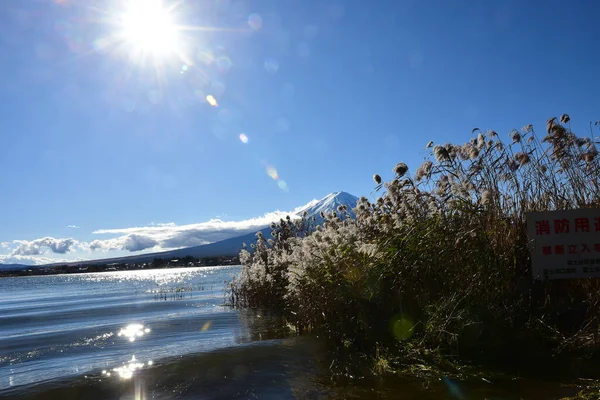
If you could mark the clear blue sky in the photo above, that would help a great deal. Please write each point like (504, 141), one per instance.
(327, 93)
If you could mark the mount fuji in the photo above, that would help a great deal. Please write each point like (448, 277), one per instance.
(329, 203)
(232, 246)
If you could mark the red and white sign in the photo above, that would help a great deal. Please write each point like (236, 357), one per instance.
(564, 244)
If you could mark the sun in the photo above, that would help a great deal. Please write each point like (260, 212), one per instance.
(148, 28)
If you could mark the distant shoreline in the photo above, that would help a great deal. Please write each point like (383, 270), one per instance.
(185, 262)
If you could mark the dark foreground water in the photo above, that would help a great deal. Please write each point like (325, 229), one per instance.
(165, 334)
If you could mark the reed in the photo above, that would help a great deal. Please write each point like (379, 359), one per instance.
(439, 261)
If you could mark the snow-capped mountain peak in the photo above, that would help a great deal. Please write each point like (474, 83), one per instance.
(329, 203)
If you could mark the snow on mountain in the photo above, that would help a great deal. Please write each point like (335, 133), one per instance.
(329, 203)
(233, 245)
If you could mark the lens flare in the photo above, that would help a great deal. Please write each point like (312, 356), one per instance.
(101, 44)
(212, 101)
(206, 326)
(272, 172)
(224, 64)
(283, 185)
(402, 327)
(255, 21)
(205, 57)
(454, 389)
(243, 138)
(217, 88)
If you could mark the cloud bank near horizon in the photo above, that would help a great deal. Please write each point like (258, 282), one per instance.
(38, 246)
(35, 260)
(158, 237)
(171, 236)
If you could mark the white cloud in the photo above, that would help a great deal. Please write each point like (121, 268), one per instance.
(128, 242)
(170, 236)
(155, 237)
(39, 246)
(73, 226)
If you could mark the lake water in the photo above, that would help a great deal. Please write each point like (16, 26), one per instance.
(166, 334)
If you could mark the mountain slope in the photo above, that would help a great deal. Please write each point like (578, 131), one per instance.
(15, 267)
(232, 246)
(228, 247)
(330, 203)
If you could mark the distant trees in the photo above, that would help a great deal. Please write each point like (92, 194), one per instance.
(157, 263)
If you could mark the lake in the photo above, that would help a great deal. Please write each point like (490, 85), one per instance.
(166, 334)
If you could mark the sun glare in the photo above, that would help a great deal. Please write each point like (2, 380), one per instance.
(148, 27)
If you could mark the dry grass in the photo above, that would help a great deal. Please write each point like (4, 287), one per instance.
(444, 252)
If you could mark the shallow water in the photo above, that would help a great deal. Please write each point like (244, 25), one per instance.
(165, 334)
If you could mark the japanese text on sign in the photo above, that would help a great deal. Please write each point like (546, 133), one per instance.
(564, 244)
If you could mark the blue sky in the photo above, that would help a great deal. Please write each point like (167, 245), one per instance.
(102, 134)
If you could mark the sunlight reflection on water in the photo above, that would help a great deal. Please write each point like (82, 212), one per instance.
(160, 276)
(133, 331)
(127, 370)
(61, 326)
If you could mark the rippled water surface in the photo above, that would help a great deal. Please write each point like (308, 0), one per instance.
(166, 334)
(62, 325)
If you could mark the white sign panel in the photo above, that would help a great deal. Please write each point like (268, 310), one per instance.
(564, 244)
